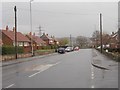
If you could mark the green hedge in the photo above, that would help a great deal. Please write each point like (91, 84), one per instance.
(49, 47)
(6, 50)
(110, 55)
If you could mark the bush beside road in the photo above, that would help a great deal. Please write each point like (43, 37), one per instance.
(113, 55)
(43, 52)
(25, 55)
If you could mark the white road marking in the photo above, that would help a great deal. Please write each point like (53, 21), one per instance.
(43, 68)
(10, 86)
(92, 75)
(92, 86)
(35, 74)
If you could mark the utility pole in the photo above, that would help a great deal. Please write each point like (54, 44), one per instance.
(40, 30)
(15, 32)
(31, 28)
(101, 43)
(70, 40)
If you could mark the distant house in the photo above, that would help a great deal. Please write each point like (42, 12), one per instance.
(114, 40)
(47, 39)
(119, 35)
(37, 41)
(8, 39)
(56, 42)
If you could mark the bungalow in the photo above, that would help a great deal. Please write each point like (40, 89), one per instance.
(37, 41)
(47, 39)
(8, 38)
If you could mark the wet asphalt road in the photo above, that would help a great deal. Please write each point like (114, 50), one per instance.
(70, 70)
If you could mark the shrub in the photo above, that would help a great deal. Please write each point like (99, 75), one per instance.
(11, 50)
(49, 47)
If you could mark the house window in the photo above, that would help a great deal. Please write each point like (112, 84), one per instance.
(50, 42)
(20, 43)
(26, 44)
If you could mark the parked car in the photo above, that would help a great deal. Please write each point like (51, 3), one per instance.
(61, 50)
(69, 49)
(76, 48)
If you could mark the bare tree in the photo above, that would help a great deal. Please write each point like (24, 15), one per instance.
(82, 41)
(63, 41)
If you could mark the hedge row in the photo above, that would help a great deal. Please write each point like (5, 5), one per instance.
(113, 49)
(49, 47)
(115, 57)
(6, 50)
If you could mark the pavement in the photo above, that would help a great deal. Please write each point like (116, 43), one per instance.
(16, 61)
(101, 61)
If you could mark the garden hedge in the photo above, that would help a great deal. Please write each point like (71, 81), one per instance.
(6, 50)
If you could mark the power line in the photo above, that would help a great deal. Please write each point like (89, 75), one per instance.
(40, 30)
(54, 12)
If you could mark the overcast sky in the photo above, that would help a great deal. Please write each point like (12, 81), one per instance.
(62, 18)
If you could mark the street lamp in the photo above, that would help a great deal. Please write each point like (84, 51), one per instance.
(31, 26)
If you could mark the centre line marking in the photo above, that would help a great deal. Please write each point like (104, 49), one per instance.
(35, 74)
(10, 86)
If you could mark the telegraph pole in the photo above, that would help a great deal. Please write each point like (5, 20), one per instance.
(31, 28)
(15, 32)
(70, 40)
(101, 43)
(40, 30)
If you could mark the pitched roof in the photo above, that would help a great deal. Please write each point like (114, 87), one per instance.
(20, 36)
(36, 39)
(46, 37)
(114, 34)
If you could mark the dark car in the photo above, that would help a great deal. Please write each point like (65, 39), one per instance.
(61, 50)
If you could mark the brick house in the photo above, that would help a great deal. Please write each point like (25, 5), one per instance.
(37, 41)
(8, 39)
(56, 42)
(47, 39)
(119, 37)
(114, 40)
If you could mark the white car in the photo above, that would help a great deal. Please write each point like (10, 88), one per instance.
(69, 49)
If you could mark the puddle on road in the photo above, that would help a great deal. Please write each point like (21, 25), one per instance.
(40, 67)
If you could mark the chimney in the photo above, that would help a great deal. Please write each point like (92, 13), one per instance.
(113, 33)
(7, 28)
(13, 29)
(30, 33)
(34, 33)
(43, 33)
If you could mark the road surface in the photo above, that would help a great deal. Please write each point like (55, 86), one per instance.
(69, 70)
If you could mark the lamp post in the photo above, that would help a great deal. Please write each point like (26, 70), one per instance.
(31, 26)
